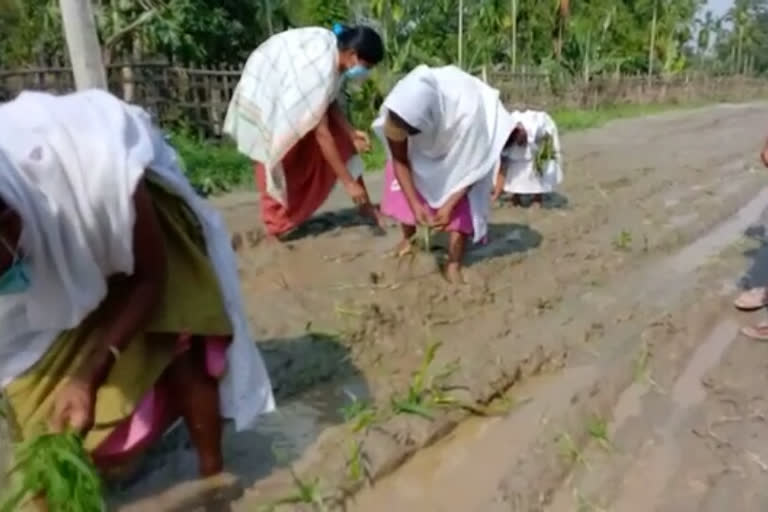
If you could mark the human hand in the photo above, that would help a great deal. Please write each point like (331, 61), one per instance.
(764, 156)
(422, 215)
(356, 192)
(361, 141)
(74, 407)
(443, 216)
(498, 189)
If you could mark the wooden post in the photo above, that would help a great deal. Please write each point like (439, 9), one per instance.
(83, 44)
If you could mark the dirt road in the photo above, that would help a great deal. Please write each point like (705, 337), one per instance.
(604, 310)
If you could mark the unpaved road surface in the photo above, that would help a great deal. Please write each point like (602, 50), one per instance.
(606, 310)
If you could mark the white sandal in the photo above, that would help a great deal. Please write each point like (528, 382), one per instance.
(752, 300)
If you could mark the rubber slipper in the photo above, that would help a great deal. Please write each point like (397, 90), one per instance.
(759, 332)
(751, 300)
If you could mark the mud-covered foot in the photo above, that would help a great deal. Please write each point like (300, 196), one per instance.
(453, 273)
(404, 248)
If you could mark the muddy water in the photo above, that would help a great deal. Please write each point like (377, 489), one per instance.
(463, 471)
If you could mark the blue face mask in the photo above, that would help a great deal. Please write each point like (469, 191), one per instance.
(15, 279)
(357, 73)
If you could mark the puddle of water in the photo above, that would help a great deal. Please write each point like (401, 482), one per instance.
(462, 471)
(277, 440)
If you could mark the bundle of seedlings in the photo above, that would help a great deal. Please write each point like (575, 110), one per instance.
(57, 469)
(544, 154)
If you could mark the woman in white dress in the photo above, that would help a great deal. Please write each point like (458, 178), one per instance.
(519, 173)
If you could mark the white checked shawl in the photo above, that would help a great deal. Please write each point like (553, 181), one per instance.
(287, 86)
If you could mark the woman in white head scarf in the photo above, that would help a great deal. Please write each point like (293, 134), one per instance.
(119, 295)
(444, 130)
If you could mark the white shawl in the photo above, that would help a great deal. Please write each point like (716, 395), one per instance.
(463, 129)
(69, 166)
(521, 175)
(286, 88)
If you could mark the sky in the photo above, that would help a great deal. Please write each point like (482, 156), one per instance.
(720, 6)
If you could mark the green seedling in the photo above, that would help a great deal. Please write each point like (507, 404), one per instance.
(321, 334)
(56, 467)
(422, 239)
(341, 312)
(418, 400)
(585, 505)
(642, 369)
(356, 462)
(358, 413)
(624, 241)
(570, 451)
(598, 430)
(307, 493)
(545, 154)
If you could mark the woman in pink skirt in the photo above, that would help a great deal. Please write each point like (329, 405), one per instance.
(395, 205)
(445, 131)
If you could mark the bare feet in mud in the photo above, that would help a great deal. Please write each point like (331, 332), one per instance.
(404, 248)
(453, 273)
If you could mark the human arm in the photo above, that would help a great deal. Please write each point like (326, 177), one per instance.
(359, 138)
(501, 176)
(130, 304)
(397, 140)
(764, 154)
(331, 155)
(443, 216)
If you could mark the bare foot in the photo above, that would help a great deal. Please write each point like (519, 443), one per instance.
(453, 273)
(404, 248)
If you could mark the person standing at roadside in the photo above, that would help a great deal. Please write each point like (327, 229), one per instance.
(755, 298)
(285, 117)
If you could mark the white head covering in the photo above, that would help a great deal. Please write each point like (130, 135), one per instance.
(69, 167)
(464, 128)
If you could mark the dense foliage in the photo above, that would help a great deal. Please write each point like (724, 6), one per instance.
(582, 37)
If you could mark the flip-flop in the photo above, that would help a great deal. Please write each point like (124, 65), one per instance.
(756, 332)
(751, 300)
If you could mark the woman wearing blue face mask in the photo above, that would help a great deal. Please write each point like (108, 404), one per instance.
(285, 116)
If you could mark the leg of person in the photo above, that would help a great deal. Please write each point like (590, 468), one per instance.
(405, 247)
(197, 395)
(516, 201)
(537, 200)
(456, 243)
